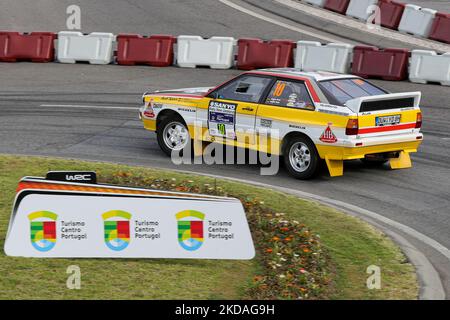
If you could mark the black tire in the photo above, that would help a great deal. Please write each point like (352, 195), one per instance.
(161, 132)
(309, 158)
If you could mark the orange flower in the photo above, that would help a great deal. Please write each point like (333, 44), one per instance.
(306, 250)
(269, 250)
(275, 238)
(284, 229)
(287, 239)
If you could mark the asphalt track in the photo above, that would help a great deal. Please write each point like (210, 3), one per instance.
(89, 112)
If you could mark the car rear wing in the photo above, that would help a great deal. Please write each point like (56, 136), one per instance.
(385, 102)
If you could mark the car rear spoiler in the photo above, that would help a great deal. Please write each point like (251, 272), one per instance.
(385, 102)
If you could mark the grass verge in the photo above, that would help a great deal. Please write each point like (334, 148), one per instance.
(349, 244)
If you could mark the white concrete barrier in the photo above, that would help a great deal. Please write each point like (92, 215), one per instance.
(318, 3)
(215, 52)
(96, 47)
(417, 20)
(359, 9)
(333, 57)
(429, 66)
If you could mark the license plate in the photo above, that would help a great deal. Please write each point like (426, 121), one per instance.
(387, 120)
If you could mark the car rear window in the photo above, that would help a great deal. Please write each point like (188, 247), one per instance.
(341, 90)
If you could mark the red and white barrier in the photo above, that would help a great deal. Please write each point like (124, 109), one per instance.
(359, 9)
(417, 20)
(428, 66)
(216, 52)
(440, 31)
(156, 50)
(95, 48)
(35, 46)
(219, 53)
(333, 57)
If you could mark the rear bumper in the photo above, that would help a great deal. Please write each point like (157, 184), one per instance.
(359, 148)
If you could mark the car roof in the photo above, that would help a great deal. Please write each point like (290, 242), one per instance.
(312, 75)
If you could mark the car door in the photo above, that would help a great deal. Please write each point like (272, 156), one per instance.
(287, 107)
(232, 109)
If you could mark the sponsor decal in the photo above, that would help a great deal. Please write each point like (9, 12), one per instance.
(267, 123)
(328, 135)
(294, 126)
(43, 230)
(334, 112)
(117, 229)
(222, 119)
(190, 229)
(186, 110)
(292, 101)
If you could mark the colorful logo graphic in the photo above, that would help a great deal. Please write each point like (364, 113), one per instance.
(328, 135)
(190, 229)
(117, 229)
(43, 230)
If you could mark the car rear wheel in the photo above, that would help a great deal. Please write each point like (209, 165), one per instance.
(172, 135)
(301, 158)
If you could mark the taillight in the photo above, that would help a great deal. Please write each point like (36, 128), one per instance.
(352, 127)
(419, 120)
(148, 111)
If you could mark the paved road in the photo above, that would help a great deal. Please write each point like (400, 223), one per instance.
(34, 119)
(440, 5)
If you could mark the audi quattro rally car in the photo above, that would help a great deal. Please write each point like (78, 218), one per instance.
(315, 115)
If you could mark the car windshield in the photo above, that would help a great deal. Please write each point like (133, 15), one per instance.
(342, 90)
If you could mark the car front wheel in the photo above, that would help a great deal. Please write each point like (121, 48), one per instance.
(301, 158)
(172, 135)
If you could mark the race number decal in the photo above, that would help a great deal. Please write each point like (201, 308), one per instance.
(222, 119)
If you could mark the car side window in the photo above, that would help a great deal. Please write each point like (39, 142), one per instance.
(291, 94)
(245, 89)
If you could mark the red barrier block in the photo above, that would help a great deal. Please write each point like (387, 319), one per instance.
(256, 53)
(440, 30)
(156, 50)
(339, 6)
(391, 13)
(35, 46)
(387, 64)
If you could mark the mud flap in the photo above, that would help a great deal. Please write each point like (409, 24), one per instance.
(402, 162)
(335, 167)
